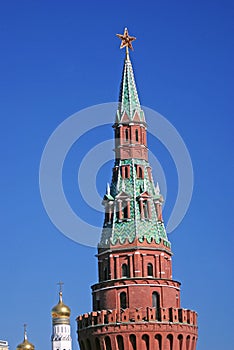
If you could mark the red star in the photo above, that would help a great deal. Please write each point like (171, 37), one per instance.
(126, 40)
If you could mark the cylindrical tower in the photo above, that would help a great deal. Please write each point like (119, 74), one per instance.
(136, 302)
(61, 329)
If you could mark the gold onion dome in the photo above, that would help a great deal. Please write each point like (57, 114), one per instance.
(25, 345)
(61, 310)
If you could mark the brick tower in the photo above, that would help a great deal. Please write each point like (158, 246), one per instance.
(136, 303)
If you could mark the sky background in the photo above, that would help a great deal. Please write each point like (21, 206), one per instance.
(58, 57)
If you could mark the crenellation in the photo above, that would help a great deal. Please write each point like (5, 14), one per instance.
(145, 315)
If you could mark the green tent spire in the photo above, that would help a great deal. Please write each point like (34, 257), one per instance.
(128, 96)
(129, 102)
(133, 204)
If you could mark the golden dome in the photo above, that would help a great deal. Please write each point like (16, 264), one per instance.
(61, 310)
(25, 345)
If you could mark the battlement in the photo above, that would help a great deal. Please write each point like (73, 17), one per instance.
(149, 314)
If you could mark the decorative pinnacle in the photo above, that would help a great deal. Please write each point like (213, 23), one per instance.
(126, 41)
(157, 189)
(108, 189)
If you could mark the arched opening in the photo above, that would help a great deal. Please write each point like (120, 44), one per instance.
(125, 270)
(105, 273)
(88, 345)
(132, 339)
(97, 344)
(180, 341)
(145, 209)
(150, 270)
(126, 172)
(125, 212)
(137, 135)
(156, 304)
(145, 339)
(193, 344)
(117, 136)
(108, 343)
(82, 347)
(140, 173)
(188, 342)
(126, 135)
(158, 340)
(126, 209)
(123, 300)
(170, 342)
(120, 342)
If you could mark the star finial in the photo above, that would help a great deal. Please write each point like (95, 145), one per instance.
(126, 40)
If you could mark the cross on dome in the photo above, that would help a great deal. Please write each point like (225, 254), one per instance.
(60, 286)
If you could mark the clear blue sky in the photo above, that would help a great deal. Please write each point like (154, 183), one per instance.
(58, 57)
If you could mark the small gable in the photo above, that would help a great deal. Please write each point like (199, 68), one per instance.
(125, 118)
(136, 117)
(122, 195)
(144, 195)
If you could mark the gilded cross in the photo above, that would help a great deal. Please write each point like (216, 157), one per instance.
(60, 286)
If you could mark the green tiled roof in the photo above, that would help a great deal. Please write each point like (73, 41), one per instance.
(128, 96)
(134, 227)
(132, 189)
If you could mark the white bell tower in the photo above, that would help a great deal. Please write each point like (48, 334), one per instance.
(61, 329)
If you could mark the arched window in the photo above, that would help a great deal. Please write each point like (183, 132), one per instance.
(88, 345)
(187, 342)
(126, 170)
(125, 270)
(105, 273)
(158, 340)
(97, 344)
(126, 134)
(108, 343)
(115, 173)
(82, 347)
(125, 210)
(170, 341)
(96, 302)
(180, 341)
(145, 339)
(156, 304)
(193, 344)
(149, 173)
(155, 299)
(120, 342)
(140, 173)
(137, 135)
(150, 270)
(123, 300)
(145, 210)
(132, 342)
